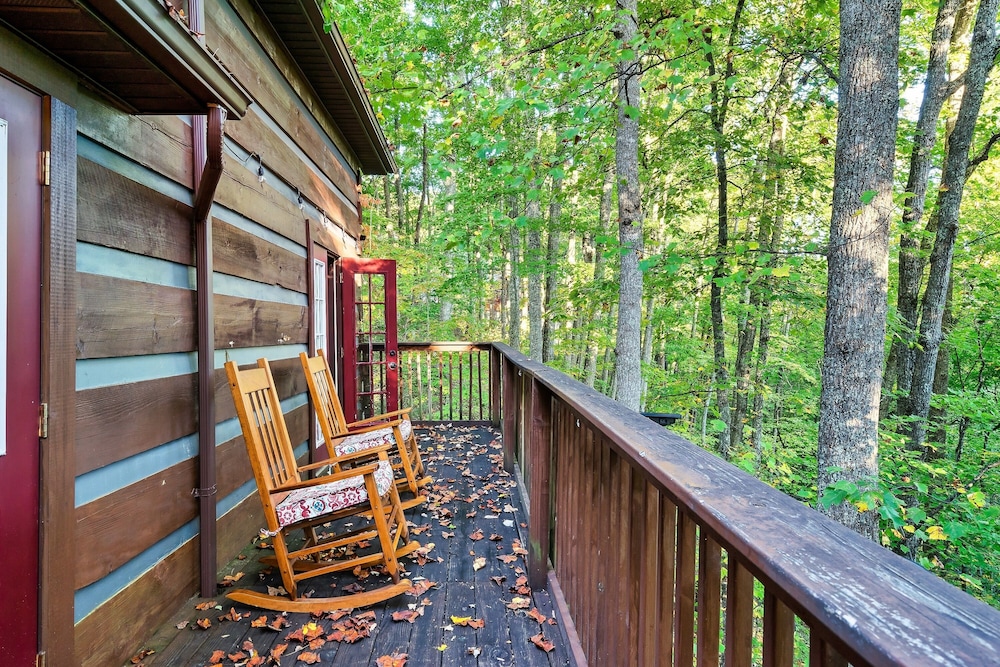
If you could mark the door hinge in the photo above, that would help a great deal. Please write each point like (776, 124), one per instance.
(43, 420)
(45, 167)
(40, 660)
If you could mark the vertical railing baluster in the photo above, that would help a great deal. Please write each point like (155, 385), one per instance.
(684, 592)
(603, 617)
(739, 614)
(540, 458)
(822, 654)
(510, 407)
(709, 600)
(646, 498)
(779, 632)
(668, 578)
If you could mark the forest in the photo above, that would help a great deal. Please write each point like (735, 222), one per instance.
(782, 313)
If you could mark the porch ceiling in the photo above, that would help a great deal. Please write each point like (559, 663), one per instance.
(133, 51)
(324, 60)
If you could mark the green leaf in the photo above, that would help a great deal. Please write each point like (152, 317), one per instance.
(717, 425)
(867, 196)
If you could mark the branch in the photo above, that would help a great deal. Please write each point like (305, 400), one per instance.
(983, 154)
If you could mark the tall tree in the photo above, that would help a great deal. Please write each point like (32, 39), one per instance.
(982, 56)
(721, 87)
(858, 255)
(899, 367)
(628, 369)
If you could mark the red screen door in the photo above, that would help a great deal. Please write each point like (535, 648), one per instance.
(371, 361)
(20, 374)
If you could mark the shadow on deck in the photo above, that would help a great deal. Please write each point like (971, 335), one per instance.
(472, 571)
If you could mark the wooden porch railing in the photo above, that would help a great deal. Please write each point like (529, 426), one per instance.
(666, 555)
(447, 381)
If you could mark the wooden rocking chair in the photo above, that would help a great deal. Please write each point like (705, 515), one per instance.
(292, 503)
(342, 439)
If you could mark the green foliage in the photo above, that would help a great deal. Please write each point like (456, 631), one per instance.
(508, 98)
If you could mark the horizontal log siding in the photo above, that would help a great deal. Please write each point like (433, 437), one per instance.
(666, 554)
(107, 532)
(111, 633)
(256, 59)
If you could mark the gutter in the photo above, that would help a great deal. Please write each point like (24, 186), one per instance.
(206, 153)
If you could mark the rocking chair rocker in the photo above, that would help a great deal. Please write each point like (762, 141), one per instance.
(293, 503)
(343, 439)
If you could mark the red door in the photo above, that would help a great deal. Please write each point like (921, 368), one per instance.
(20, 235)
(371, 361)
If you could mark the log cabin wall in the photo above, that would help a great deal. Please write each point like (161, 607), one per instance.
(137, 429)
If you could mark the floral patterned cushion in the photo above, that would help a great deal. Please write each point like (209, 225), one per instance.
(323, 499)
(362, 441)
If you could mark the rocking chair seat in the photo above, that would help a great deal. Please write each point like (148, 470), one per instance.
(316, 501)
(357, 442)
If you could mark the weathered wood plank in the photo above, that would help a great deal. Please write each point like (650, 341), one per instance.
(667, 580)
(119, 421)
(779, 632)
(161, 143)
(255, 137)
(709, 600)
(239, 190)
(117, 317)
(739, 614)
(684, 592)
(241, 322)
(646, 499)
(110, 634)
(226, 37)
(57, 456)
(240, 253)
(117, 212)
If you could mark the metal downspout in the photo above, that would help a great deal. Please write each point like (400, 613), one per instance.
(206, 154)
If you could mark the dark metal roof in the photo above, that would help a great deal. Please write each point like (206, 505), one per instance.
(133, 51)
(326, 64)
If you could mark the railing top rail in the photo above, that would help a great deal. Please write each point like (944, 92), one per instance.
(445, 346)
(879, 607)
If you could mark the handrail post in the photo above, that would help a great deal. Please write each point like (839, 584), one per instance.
(495, 384)
(510, 407)
(539, 455)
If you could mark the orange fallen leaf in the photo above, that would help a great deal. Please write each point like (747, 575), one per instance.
(498, 580)
(144, 653)
(259, 622)
(236, 657)
(476, 536)
(208, 604)
(541, 642)
(308, 657)
(537, 615)
(217, 657)
(410, 616)
(507, 558)
(204, 623)
(394, 660)
(278, 651)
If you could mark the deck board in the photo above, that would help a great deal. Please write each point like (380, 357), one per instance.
(471, 494)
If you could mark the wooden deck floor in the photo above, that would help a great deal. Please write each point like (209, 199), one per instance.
(476, 522)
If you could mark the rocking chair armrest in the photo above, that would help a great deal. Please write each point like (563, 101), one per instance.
(360, 454)
(366, 469)
(398, 414)
(371, 427)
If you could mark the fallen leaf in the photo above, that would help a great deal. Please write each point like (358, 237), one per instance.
(507, 558)
(475, 651)
(209, 604)
(519, 603)
(419, 588)
(442, 647)
(410, 616)
(204, 623)
(278, 623)
(308, 657)
(353, 588)
(537, 615)
(217, 657)
(236, 657)
(476, 536)
(541, 642)
(460, 620)
(259, 622)
(479, 563)
(278, 651)
(233, 615)
(496, 537)
(144, 653)
(182, 625)
(394, 660)
(498, 580)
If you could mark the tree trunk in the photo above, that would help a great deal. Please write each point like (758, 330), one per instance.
(533, 259)
(604, 222)
(386, 200)
(424, 180)
(938, 416)
(717, 112)
(628, 370)
(514, 334)
(899, 369)
(552, 271)
(981, 58)
(858, 255)
(400, 204)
